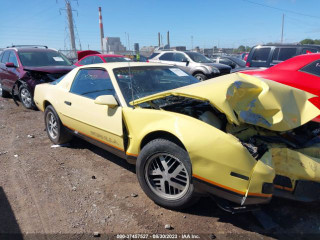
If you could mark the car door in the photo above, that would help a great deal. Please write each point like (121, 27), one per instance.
(181, 61)
(4, 73)
(166, 58)
(12, 72)
(98, 123)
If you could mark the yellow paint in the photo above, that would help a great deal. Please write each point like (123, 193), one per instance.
(214, 154)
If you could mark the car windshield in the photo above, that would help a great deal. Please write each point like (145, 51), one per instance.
(43, 58)
(117, 59)
(197, 57)
(138, 82)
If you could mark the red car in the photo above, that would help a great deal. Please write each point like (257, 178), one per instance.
(91, 57)
(301, 72)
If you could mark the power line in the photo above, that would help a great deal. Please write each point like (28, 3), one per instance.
(281, 9)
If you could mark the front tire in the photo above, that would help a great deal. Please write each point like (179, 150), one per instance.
(26, 97)
(201, 77)
(165, 174)
(57, 133)
(3, 93)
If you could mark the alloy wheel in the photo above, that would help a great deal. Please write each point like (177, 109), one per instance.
(167, 176)
(52, 126)
(26, 97)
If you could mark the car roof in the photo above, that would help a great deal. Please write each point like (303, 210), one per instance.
(113, 65)
(30, 49)
(287, 45)
(297, 62)
(104, 55)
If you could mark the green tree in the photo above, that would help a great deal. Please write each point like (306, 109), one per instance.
(241, 48)
(307, 41)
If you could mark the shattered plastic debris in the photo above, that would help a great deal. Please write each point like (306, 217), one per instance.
(60, 145)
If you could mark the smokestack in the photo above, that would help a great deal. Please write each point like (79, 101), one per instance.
(168, 39)
(159, 40)
(101, 29)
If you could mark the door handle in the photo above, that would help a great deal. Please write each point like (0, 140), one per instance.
(68, 103)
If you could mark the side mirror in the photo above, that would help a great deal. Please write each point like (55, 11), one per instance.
(186, 61)
(108, 100)
(10, 65)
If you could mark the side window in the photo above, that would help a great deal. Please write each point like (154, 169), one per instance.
(261, 54)
(1, 54)
(286, 53)
(275, 55)
(97, 59)
(166, 57)
(313, 68)
(309, 50)
(5, 57)
(86, 61)
(92, 83)
(13, 59)
(179, 57)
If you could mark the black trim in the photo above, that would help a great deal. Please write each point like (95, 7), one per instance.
(238, 175)
(267, 188)
(204, 186)
(282, 181)
(97, 143)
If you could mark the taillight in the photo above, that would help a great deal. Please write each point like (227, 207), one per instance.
(247, 64)
(147, 60)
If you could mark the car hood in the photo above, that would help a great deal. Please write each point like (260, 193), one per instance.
(217, 65)
(50, 69)
(251, 100)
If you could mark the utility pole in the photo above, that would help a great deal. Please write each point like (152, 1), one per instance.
(168, 39)
(191, 43)
(282, 28)
(71, 27)
(101, 30)
(159, 40)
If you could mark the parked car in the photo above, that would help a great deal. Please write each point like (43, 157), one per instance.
(23, 67)
(301, 72)
(194, 63)
(270, 55)
(233, 62)
(92, 57)
(227, 137)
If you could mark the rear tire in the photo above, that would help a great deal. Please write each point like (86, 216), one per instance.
(201, 77)
(165, 175)
(57, 133)
(3, 93)
(26, 97)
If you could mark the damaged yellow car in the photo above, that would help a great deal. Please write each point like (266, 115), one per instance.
(238, 138)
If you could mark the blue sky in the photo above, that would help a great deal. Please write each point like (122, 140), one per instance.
(224, 23)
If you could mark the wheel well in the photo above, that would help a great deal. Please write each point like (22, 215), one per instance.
(46, 104)
(197, 73)
(162, 135)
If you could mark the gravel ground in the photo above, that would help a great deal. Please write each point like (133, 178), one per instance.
(81, 191)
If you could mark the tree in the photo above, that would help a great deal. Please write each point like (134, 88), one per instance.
(307, 41)
(241, 48)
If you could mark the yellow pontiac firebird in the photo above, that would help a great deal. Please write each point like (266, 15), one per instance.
(238, 138)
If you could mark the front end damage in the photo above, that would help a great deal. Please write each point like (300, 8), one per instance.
(271, 121)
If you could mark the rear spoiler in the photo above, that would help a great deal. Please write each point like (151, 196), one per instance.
(82, 54)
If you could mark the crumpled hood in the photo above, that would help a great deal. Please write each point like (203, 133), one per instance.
(50, 69)
(252, 100)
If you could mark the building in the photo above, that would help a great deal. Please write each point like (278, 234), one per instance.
(113, 45)
(179, 48)
(136, 47)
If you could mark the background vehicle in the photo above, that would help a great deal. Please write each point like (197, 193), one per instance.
(23, 67)
(92, 57)
(233, 62)
(194, 63)
(270, 55)
(167, 113)
(301, 72)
